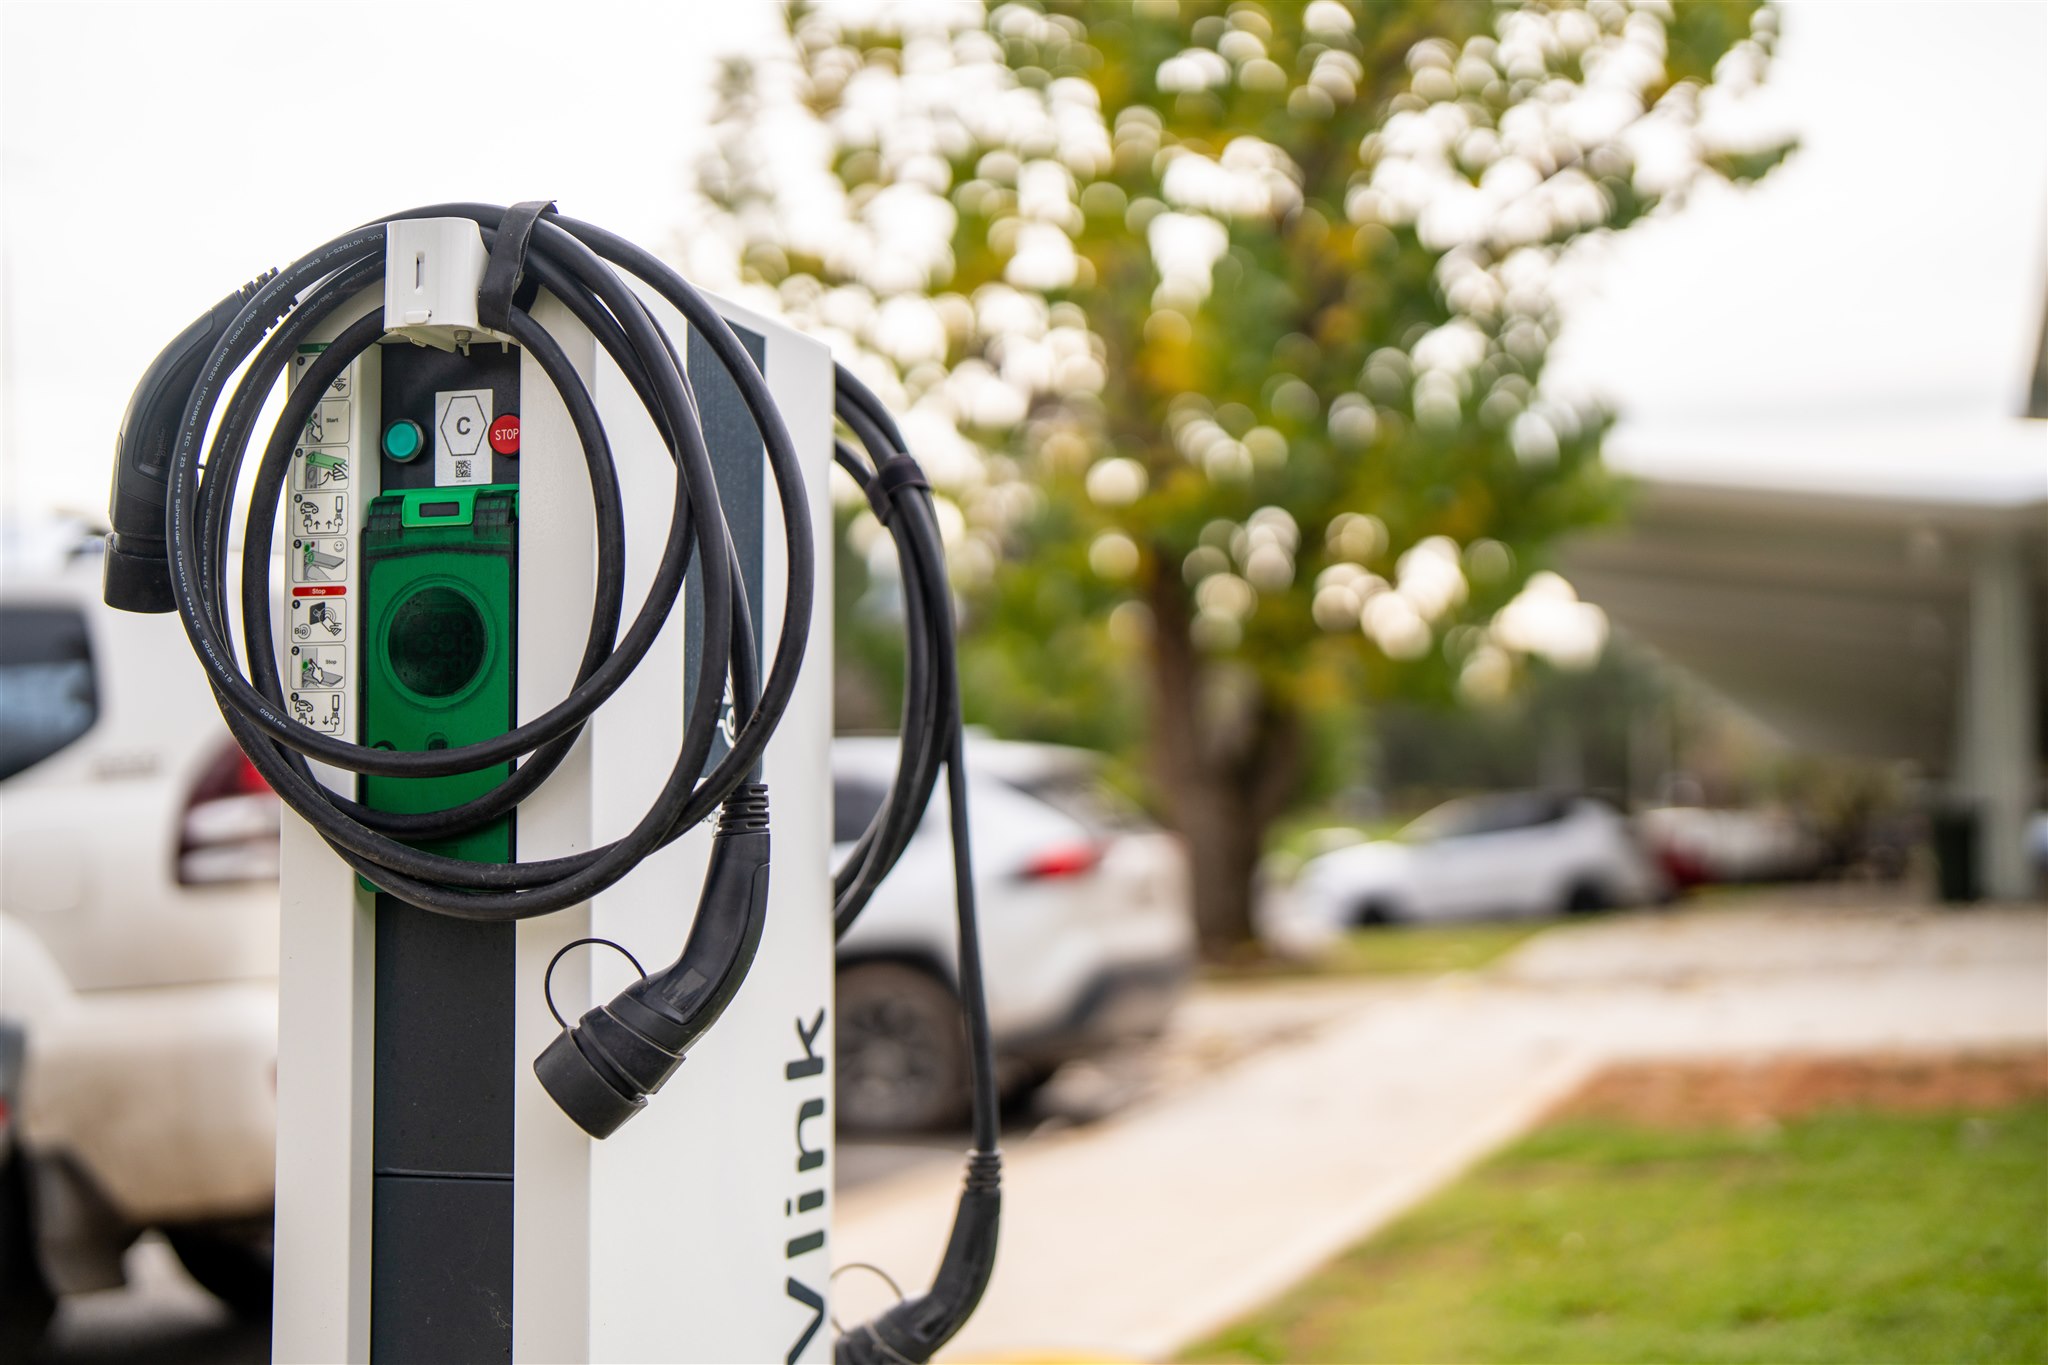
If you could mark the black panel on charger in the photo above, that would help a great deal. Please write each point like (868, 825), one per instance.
(442, 1145)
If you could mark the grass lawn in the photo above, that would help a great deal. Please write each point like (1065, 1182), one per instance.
(1426, 948)
(1846, 1236)
(1392, 950)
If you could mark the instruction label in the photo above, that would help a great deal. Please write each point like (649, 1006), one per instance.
(462, 421)
(319, 559)
(319, 618)
(319, 667)
(329, 422)
(321, 514)
(323, 469)
(307, 354)
(322, 711)
(317, 648)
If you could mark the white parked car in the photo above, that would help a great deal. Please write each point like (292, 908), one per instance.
(1519, 854)
(138, 951)
(1084, 926)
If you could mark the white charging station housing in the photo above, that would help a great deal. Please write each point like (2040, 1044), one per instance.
(699, 1231)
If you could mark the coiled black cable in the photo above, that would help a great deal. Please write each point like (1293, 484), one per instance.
(932, 737)
(575, 262)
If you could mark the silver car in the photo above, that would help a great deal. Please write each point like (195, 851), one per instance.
(1084, 919)
(1502, 854)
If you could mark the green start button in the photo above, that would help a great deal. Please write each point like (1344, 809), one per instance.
(403, 439)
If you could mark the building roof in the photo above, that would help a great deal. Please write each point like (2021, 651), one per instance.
(1829, 596)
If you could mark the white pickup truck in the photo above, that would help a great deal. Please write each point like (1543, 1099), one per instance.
(138, 952)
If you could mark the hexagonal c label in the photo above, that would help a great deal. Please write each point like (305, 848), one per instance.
(462, 422)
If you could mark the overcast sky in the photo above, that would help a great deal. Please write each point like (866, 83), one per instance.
(1883, 287)
(156, 155)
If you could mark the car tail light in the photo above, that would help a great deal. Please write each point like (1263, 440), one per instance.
(1682, 867)
(1061, 860)
(230, 825)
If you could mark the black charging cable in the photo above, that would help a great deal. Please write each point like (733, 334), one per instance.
(932, 737)
(173, 506)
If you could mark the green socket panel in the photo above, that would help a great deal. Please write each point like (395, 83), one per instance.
(440, 649)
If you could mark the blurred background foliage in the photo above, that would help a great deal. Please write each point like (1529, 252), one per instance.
(1221, 329)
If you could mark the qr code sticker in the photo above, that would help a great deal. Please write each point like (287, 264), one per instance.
(462, 469)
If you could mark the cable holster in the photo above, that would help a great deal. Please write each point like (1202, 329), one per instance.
(505, 281)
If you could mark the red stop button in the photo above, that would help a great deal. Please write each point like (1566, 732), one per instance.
(505, 434)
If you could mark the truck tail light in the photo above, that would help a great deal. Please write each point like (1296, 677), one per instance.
(230, 825)
(1061, 860)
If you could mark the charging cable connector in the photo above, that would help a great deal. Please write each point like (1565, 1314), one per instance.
(601, 1069)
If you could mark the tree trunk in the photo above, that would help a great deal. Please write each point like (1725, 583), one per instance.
(1226, 755)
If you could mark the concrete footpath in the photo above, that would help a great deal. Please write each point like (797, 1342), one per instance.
(1132, 1238)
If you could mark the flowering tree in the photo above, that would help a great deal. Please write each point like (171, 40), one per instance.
(1222, 327)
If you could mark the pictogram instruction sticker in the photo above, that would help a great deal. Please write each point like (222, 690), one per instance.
(319, 619)
(462, 419)
(319, 559)
(326, 712)
(307, 354)
(323, 469)
(329, 423)
(320, 514)
(318, 668)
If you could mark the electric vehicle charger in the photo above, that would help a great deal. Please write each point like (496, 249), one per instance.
(172, 511)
